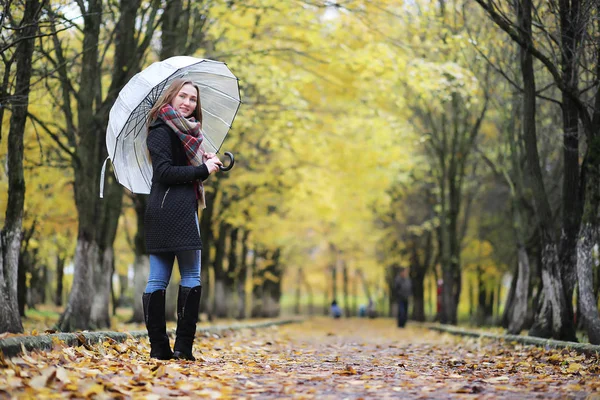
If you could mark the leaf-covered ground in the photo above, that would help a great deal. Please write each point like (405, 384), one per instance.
(320, 358)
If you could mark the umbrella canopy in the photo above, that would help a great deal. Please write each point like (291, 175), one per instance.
(127, 125)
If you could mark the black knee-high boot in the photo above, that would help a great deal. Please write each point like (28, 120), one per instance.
(154, 315)
(188, 304)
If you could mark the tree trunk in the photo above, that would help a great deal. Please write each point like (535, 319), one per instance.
(221, 298)
(589, 234)
(141, 262)
(35, 291)
(431, 297)
(361, 276)
(390, 277)
(10, 235)
(482, 297)
(86, 166)
(45, 283)
(220, 305)
(243, 277)
(60, 270)
(472, 306)
(141, 271)
(271, 294)
(206, 231)
(100, 313)
(589, 237)
(596, 280)
(571, 210)
(257, 285)
(516, 311)
(345, 288)
(123, 289)
(572, 27)
(205, 281)
(23, 267)
(326, 294)
(173, 37)
(233, 271)
(354, 295)
(449, 306)
(26, 266)
(418, 270)
(309, 295)
(103, 272)
(498, 302)
(508, 304)
(596, 272)
(418, 311)
(77, 312)
(552, 318)
(334, 293)
(454, 238)
(448, 312)
(518, 306)
(4, 95)
(311, 304)
(298, 292)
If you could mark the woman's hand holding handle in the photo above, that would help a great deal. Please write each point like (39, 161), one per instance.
(213, 164)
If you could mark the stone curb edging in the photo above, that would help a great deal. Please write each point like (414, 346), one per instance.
(585, 348)
(14, 346)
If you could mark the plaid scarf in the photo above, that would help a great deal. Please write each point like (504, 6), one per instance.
(190, 133)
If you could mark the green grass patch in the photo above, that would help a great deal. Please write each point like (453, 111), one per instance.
(41, 314)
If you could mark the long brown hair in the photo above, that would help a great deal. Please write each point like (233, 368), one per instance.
(169, 94)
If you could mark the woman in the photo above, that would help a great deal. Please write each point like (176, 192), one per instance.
(179, 166)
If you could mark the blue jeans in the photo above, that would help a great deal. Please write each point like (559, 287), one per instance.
(161, 267)
(402, 313)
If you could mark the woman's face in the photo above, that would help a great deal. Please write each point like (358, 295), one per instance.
(185, 101)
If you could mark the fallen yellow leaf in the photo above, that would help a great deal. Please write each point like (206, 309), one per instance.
(574, 368)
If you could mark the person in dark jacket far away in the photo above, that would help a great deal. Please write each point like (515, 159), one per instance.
(179, 166)
(336, 311)
(403, 287)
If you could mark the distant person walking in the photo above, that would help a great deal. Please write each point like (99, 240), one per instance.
(336, 311)
(440, 291)
(403, 289)
(171, 221)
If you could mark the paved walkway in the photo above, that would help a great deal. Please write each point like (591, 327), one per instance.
(320, 358)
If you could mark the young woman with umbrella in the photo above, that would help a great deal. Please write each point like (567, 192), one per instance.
(162, 140)
(171, 221)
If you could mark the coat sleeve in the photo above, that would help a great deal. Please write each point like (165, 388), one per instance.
(159, 146)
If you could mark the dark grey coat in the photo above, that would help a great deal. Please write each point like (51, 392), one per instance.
(403, 288)
(172, 209)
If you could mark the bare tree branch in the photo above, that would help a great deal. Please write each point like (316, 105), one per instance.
(507, 26)
(52, 135)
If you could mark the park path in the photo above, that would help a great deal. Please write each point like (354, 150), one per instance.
(318, 359)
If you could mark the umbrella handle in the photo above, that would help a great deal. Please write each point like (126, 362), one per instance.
(227, 168)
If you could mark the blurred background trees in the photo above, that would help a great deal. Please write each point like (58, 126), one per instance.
(456, 138)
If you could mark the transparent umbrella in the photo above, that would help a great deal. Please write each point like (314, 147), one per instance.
(127, 125)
